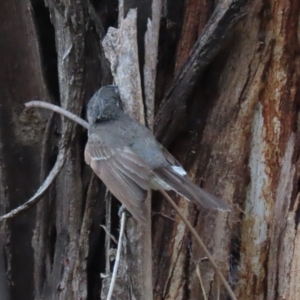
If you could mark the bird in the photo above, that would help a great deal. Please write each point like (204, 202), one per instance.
(129, 160)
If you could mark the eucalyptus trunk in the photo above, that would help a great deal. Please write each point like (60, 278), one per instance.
(223, 100)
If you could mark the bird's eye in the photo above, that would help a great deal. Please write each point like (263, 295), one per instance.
(116, 89)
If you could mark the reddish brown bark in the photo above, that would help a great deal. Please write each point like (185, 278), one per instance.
(235, 130)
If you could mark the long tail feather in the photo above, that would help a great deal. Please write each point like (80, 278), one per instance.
(186, 188)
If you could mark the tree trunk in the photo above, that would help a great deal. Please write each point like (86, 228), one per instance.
(226, 106)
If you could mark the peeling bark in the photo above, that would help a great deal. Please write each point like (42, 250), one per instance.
(230, 76)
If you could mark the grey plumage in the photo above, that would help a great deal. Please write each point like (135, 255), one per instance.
(127, 158)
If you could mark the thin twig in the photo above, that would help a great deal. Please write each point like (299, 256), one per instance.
(59, 162)
(200, 242)
(198, 272)
(218, 289)
(117, 260)
(59, 110)
(111, 237)
(43, 188)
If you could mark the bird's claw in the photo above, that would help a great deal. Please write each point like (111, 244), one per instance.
(125, 210)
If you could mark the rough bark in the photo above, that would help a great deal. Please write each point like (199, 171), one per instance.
(240, 134)
(229, 112)
(21, 78)
(135, 271)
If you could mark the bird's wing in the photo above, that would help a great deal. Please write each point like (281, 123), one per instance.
(123, 172)
(175, 178)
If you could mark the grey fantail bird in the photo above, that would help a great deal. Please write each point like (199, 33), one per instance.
(129, 160)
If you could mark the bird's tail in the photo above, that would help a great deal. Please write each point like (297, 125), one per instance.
(182, 185)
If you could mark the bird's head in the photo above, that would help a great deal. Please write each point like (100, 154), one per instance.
(104, 105)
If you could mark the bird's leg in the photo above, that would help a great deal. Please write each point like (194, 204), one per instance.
(125, 210)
